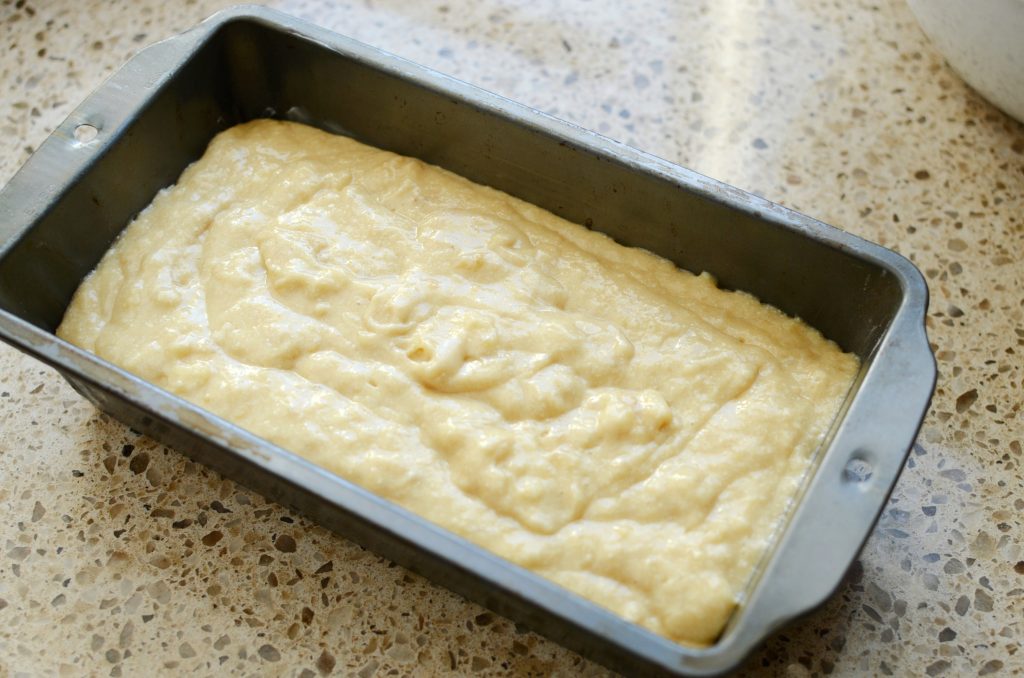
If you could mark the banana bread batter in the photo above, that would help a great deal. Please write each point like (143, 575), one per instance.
(585, 410)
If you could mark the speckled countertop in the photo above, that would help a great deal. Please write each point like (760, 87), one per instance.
(120, 557)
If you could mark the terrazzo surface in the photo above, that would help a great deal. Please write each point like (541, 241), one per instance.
(121, 557)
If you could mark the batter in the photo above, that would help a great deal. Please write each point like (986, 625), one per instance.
(585, 410)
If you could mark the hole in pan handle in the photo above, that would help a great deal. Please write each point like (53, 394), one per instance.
(86, 132)
(859, 469)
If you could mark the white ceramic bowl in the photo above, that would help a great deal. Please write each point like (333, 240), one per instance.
(983, 40)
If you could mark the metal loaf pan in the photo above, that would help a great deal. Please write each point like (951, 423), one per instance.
(156, 115)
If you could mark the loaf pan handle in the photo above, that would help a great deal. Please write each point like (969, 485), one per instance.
(87, 132)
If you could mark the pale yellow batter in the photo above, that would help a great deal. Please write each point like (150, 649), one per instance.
(583, 409)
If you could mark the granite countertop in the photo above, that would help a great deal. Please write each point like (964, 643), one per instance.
(120, 556)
